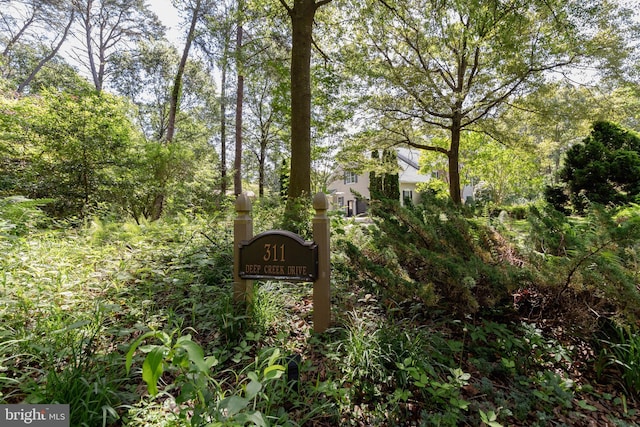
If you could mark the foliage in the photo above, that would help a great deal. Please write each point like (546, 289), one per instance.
(19, 215)
(375, 181)
(81, 143)
(82, 306)
(185, 168)
(77, 376)
(431, 251)
(501, 174)
(384, 184)
(622, 353)
(297, 215)
(596, 256)
(94, 159)
(196, 385)
(604, 168)
(470, 63)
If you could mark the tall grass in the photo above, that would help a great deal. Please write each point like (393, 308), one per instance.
(71, 299)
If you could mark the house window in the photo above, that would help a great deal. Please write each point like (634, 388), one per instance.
(407, 196)
(350, 178)
(340, 201)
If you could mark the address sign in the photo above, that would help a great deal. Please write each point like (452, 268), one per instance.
(278, 255)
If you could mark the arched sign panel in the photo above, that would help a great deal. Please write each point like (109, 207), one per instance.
(278, 255)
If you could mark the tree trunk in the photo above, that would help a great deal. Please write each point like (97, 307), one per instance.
(454, 160)
(88, 28)
(262, 158)
(158, 203)
(177, 83)
(302, 16)
(237, 164)
(223, 128)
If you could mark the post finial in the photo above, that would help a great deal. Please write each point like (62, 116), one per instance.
(320, 202)
(243, 203)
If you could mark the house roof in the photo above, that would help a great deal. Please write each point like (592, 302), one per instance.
(408, 162)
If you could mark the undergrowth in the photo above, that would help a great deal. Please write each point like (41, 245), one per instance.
(438, 319)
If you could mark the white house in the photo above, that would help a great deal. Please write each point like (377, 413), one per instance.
(342, 189)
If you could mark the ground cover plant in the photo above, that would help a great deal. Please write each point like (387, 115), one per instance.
(439, 319)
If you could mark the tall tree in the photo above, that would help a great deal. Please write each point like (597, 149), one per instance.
(266, 117)
(302, 15)
(32, 33)
(174, 100)
(176, 90)
(443, 67)
(108, 27)
(265, 61)
(223, 121)
(177, 105)
(217, 44)
(237, 164)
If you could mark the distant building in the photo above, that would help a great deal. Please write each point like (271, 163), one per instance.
(350, 192)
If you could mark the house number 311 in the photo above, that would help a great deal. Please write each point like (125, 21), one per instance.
(271, 253)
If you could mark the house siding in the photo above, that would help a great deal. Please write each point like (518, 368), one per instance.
(343, 197)
(344, 193)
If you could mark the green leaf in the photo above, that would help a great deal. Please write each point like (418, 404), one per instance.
(152, 369)
(196, 354)
(76, 325)
(257, 419)
(134, 347)
(459, 403)
(233, 405)
(273, 371)
(211, 361)
(253, 388)
(274, 357)
(584, 405)
(489, 418)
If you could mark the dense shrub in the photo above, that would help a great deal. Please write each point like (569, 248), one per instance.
(604, 168)
(593, 258)
(433, 253)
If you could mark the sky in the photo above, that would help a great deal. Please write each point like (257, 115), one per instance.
(169, 17)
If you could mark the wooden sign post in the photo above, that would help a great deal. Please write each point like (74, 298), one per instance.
(322, 284)
(282, 255)
(242, 231)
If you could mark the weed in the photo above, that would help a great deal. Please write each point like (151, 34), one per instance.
(362, 359)
(623, 352)
(76, 374)
(489, 418)
(553, 390)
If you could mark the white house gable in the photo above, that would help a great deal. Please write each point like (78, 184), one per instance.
(344, 189)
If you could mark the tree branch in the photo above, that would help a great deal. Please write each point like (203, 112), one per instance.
(286, 6)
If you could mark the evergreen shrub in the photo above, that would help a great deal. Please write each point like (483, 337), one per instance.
(431, 252)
